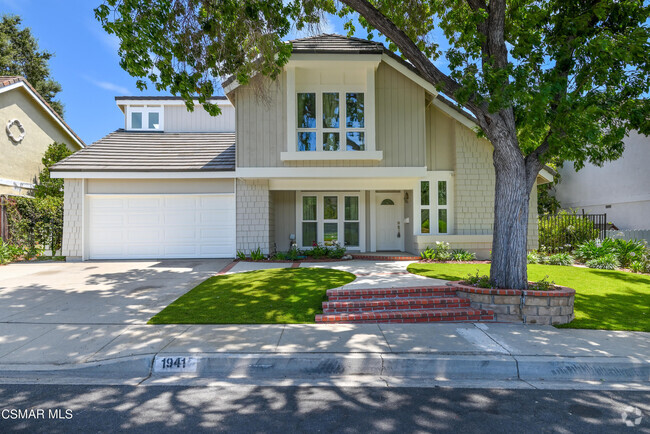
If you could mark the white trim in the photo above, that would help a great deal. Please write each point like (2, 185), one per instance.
(330, 172)
(16, 184)
(145, 111)
(342, 184)
(85, 221)
(156, 194)
(546, 177)
(127, 102)
(291, 109)
(410, 74)
(331, 155)
(44, 106)
(455, 115)
(433, 177)
(142, 175)
(373, 221)
(400, 205)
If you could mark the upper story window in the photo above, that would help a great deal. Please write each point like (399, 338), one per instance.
(144, 118)
(331, 121)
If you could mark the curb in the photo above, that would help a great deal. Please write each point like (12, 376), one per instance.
(328, 365)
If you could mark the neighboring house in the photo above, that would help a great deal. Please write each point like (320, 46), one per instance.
(349, 144)
(30, 126)
(619, 188)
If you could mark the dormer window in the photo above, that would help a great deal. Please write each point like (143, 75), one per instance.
(331, 121)
(144, 118)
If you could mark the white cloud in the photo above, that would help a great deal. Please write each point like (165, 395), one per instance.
(111, 42)
(107, 85)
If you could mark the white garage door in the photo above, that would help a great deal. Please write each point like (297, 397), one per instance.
(161, 226)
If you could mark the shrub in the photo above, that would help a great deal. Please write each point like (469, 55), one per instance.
(280, 256)
(542, 285)
(241, 255)
(629, 251)
(336, 251)
(441, 252)
(35, 222)
(565, 231)
(605, 262)
(9, 252)
(293, 254)
(319, 251)
(640, 267)
(533, 257)
(257, 255)
(559, 259)
(463, 255)
(594, 249)
(479, 281)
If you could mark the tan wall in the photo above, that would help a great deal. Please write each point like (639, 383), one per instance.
(178, 119)
(155, 186)
(441, 140)
(22, 161)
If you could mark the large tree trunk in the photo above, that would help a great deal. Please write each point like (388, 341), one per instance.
(511, 204)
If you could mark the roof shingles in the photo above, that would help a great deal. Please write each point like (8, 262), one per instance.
(124, 151)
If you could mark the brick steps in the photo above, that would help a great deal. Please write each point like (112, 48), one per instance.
(399, 305)
(409, 316)
(338, 294)
(395, 303)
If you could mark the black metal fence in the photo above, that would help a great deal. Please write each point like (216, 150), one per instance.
(565, 231)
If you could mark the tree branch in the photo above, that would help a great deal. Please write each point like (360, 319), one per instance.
(476, 4)
(408, 48)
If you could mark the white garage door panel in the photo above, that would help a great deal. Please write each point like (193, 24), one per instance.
(161, 226)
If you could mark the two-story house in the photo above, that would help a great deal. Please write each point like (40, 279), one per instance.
(30, 125)
(349, 144)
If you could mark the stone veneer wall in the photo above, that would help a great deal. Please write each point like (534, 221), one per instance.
(72, 218)
(255, 226)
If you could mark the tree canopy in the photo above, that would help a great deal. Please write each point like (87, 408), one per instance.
(46, 186)
(563, 79)
(20, 55)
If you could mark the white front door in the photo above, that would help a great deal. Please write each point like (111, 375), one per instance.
(390, 231)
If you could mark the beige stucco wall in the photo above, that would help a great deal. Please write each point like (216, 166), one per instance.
(22, 161)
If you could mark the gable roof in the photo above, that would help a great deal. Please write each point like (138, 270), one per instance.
(337, 44)
(130, 151)
(8, 83)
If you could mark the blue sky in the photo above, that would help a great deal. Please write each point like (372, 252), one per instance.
(86, 62)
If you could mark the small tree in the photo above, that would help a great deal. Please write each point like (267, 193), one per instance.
(51, 187)
(544, 79)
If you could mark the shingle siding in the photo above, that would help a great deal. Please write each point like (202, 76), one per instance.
(254, 216)
(73, 218)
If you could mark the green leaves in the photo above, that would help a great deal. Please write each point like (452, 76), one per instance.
(51, 187)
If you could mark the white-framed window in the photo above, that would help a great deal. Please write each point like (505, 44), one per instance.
(144, 118)
(331, 120)
(433, 200)
(328, 218)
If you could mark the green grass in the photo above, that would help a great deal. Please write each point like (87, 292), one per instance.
(607, 300)
(275, 296)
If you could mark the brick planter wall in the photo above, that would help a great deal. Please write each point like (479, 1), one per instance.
(514, 305)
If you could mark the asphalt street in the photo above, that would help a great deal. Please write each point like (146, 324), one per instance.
(263, 409)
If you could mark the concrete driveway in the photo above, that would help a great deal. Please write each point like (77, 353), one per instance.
(107, 292)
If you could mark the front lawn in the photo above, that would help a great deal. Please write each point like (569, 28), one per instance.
(275, 296)
(608, 300)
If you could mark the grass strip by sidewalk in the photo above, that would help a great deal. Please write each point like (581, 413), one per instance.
(605, 299)
(274, 296)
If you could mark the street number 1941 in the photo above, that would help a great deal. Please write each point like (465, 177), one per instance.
(175, 364)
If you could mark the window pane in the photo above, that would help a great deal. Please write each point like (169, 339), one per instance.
(154, 121)
(387, 202)
(306, 141)
(442, 221)
(442, 192)
(331, 110)
(351, 208)
(355, 117)
(355, 141)
(330, 205)
(306, 109)
(424, 214)
(309, 236)
(424, 192)
(330, 233)
(331, 142)
(309, 208)
(136, 120)
(351, 232)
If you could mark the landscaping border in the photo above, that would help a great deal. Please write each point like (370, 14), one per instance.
(515, 305)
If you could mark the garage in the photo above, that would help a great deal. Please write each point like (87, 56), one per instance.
(161, 226)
